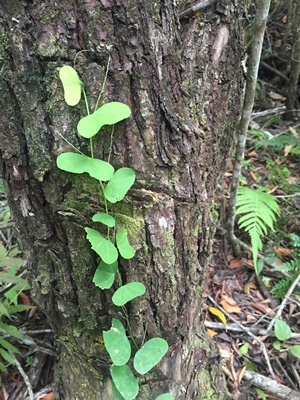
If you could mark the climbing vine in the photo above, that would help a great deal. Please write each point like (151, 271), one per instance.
(114, 186)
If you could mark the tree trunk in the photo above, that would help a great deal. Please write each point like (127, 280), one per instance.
(182, 81)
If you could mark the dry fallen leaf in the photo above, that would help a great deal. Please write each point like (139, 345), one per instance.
(235, 264)
(49, 396)
(230, 308)
(252, 154)
(218, 313)
(281, 251)
(25, 299)
(254, 177)
(248, 286)
(287, 149)
(211, 333)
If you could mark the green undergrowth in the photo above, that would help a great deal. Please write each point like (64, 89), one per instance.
(10, 287)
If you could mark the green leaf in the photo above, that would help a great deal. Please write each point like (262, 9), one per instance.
(103, 247)
(3, 310)
(282, 330)
(2, 368)
(277, 345)
(71, 83)
(8, 346)
(117, 344)
(10, 330)
(295, 350)
(260, 209)
(125, 382)
(105, 275)
(261, 393)
(244, 349)
(79, 163)
(150, 355)
(166, 396)
(7, 357)
(119, 184)
(125, 249)
(105, 219)
(128, 292)
(116, 393)
(108, 114)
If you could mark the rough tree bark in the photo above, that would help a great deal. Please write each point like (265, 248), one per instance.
(182, 81)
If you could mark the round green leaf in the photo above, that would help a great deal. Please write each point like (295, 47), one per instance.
(125, 249)
(277, 345)
(166, 396)
(282, 330)
(150, 355)
(89, 126)
(128, 292)
(117, 344)
(71, 84)
(125, 382)
(105, 275)
(116, 393)
(79, 163)
(295, 350)
(105, 219)
(244, 349)
(103, 247)
(108, 114)
(119, 184)
(113, 112)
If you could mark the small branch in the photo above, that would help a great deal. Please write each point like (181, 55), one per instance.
(42, 393)
(236, 328)
(25, 377)
(259, 28)
(275, 71)
(197, 7)
(271, 386)
(283, 304)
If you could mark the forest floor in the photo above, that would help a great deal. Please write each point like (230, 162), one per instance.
(242, 308)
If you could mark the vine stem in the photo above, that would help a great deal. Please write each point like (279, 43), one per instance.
(104, 83)
(125, 314)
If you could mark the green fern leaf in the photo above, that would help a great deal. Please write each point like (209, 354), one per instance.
(8, 346)
(2, 367)
(7, 357)
(293, 265)
(281, 288)
(10, 330)
(4, 309)
(260, 209)
(295, 240)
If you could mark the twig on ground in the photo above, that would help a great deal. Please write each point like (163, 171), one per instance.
(41, 393)
(271, 386)
(280, 74)
(283, 304)
(24, 376)
(236, 328)
(263, 347)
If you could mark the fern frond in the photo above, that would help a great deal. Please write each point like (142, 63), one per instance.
(281, 288)
(293, 265)
(295, 240)
(10, 330)
(261, 210)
